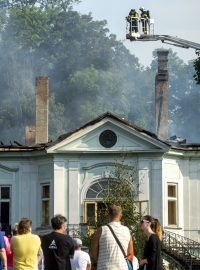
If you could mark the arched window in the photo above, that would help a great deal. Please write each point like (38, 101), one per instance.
(99, 189)
(93, 201)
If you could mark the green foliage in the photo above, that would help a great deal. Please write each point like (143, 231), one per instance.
(2, 21)
(87, 68)
(123, 191)
(89, 85)
(28, 27)
(57, 120)
(62, 4)
(184, 96)
(90, 71)
(197, 70)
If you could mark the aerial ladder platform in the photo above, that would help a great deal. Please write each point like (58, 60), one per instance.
(132, 35)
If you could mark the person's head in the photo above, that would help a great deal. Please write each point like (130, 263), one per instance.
(15, 229)
(148, 224)
(7, 231)
(115, 213)
(25, 226)
(77, 243)
(59, 223)
(141, 9)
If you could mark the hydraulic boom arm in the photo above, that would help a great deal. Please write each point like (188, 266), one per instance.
(140, 29)
(170, 40)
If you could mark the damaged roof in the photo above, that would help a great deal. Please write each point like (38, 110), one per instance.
(14, 147)
(101, 117)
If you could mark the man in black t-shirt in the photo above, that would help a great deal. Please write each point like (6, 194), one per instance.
(57, 247)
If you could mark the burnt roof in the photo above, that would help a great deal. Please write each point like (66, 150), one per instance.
(187, 146)
(14, 147)
(101, 117)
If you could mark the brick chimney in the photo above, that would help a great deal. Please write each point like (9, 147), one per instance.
(41, 125)
(161, 95)
(38, 133)
(29, 135)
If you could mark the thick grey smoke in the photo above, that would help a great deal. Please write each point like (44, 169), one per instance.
(90, 72)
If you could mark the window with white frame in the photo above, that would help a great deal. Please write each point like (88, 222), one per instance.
(172, 204)
(5, 206)
(142, 207)
(93, 204)
(45, 198)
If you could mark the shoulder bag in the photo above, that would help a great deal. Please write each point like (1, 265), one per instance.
(129, 263)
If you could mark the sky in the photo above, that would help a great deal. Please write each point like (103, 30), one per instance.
(179, 18)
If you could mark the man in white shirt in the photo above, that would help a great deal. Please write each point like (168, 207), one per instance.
(81, 259)
(105, 249)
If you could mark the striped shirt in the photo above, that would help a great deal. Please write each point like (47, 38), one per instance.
(110, 254)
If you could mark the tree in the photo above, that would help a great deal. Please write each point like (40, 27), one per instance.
(2, 21)
(92, 92)
(197, 70)
(90, 71)
(122, 190)
(27, 27)
(63, 4)
(184, 96)
(84, 69)
(57, 121)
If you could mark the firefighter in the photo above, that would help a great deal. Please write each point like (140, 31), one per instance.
(144, 18)
(133, 18)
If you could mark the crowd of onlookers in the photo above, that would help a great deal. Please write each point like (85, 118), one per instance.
(111, 249)
(24, 250)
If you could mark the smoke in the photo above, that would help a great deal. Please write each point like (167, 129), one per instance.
(90, 72)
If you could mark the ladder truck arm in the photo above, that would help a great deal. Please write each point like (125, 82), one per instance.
(175, 41)
(137, 30)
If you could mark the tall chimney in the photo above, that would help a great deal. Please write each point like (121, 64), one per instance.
(41, 125)
(30, 135)
(161, 95)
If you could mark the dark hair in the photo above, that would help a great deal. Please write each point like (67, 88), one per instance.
(24, 226)
(114, 211)
(57, 221)
(8, 231)
(155, 225)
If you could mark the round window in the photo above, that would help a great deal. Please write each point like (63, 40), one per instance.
(108, 138)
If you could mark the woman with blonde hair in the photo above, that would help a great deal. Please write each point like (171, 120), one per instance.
(152, 250)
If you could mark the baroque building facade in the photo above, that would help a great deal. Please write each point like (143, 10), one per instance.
(68, 176)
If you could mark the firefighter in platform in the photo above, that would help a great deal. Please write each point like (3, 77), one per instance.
(145, 19)
(133, 19)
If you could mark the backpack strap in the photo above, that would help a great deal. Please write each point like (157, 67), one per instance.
(117, 240)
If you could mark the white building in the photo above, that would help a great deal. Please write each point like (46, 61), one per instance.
(68, 175)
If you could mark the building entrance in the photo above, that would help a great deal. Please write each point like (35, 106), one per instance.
(5, 207)
(93, 204)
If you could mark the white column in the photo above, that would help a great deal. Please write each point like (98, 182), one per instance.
(157, 190)
(73, 192)
(28, 193)
(143, 172)
(59, 189)
(180, 195)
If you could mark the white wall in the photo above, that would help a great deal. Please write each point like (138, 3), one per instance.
(192, 199)
(172, 175)
(156, 189)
